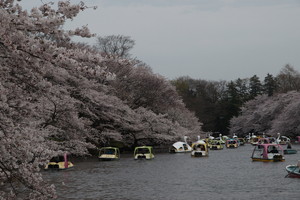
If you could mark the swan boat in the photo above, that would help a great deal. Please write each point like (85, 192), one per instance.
(232, 143)
(281, 139)
(200, 149)
(254, 140)
(241, 141)
(263, 141)
(180, 147)
(268, 153)
(216, 145)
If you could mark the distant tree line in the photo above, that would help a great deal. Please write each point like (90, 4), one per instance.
(215, 103)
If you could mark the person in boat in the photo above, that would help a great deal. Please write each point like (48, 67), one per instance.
(265, 141)
(143, 151)
(57, 159)
(202, 148)
(197, 147)
(273, 150)
(109, 151)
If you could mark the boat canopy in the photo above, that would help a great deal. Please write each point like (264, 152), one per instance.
(269, 148)
(143, 150)
(264, 141)
(57, 159)
(59, 162)
(216, 142)
(231, 141)
(182, 146)
(109, 150)
(199, 145)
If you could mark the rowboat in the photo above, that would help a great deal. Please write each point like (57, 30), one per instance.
(293, 170)
(289, 149)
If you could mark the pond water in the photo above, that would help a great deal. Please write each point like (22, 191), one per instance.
(225, 174)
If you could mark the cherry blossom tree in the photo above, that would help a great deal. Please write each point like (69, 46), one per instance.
(136, 84)
(37, 59)
(287, 123)
(270, 115)
(59, 96)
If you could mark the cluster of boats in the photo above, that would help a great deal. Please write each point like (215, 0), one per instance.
(270, 149)
(200, 147)
(105, 154)
(113, 153)
(266, 150)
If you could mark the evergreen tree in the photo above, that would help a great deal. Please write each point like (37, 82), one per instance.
(255, 87)
(270, 85)
(242, 87)
(233, 99)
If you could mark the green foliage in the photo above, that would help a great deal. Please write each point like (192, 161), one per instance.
(255, 87)
(205, 98)
(270, 85)
(216, 103)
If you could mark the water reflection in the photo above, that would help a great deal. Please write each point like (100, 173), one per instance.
(225, 174)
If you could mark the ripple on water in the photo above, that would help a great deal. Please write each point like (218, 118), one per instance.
(225, 174)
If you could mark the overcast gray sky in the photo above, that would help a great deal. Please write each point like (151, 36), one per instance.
(203, 39)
